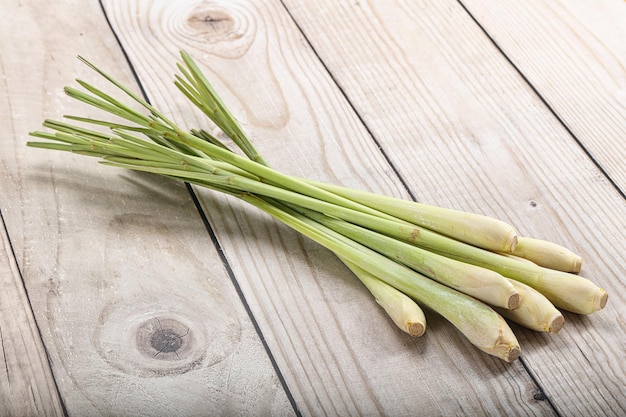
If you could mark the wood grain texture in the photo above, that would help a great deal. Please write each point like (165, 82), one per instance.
(338, 353)
(574, 53)
(465, 131)
(27, 387)
(133, 302)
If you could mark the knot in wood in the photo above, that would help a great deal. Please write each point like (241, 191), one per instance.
(164, 339)
(212, 24)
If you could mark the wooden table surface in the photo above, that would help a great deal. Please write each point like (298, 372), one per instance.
(514, 109)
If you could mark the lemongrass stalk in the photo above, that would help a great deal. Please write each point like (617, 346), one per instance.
(483, 327)
(479, 323)
(584, 298)
(478, 230)
(535, 311)
(568, 291)
(475, 229)
(588, 298)
(565, 290)
(548, 254)
(572, 293)
(517, 258)
(480, 283)
(402, 310)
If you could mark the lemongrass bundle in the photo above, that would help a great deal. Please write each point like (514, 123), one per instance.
(460, 265)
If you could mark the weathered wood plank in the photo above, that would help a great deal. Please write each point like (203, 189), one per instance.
(573, 53)
(465, 131)
(27, 386)
(337, 351)
(134, 304)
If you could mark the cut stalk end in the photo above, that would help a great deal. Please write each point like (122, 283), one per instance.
(514, 301)
(511, 353)
(556, 323)
(415, 329)
(535, 312)
(505, 346)
(600, 299)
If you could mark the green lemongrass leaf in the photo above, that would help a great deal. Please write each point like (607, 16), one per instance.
(155, 164)
(203, 134)
(105, 105)
(109, 99)
(129, 92)
(188, 81)
(203, 179)
(72, 143)
(198, 94)
(203, 87)
(78, 139)
(270, 175)
(58, 137)
(137, 151)
(108, 124)
(189, 91)
(177, 146)
(233, 169)
(216, 110)
(70, 128)
(51, 145)
(158, 152)
(178, 172)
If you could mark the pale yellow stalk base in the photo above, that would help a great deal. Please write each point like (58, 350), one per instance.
(402, 310)
(505, 346)
(548, 254)
(475, 229)
(535, 311)
(572, 292)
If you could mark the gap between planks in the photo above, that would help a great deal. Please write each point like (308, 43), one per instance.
(209, 229)
(545, 102)
(396, 171)
(41, 374)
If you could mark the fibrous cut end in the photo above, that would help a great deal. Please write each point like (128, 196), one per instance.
(556, 323)
(512, 353)
(415, 329)
(601, 298)
(514, 301)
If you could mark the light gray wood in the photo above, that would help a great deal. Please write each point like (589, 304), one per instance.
(574, 53)
(112, 259)
(338, 352)
(26, 383)
(466, 131)
(116, 264)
